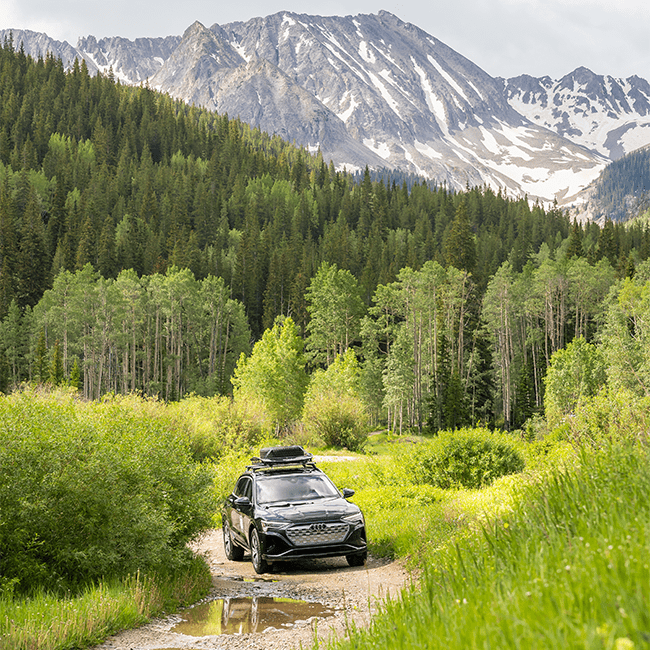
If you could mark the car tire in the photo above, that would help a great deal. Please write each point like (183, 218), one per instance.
(233, 552)
(357, 559)
(259, 563)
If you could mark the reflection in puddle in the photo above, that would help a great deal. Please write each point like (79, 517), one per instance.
(246, 615)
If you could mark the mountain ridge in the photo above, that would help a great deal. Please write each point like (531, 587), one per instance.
(373, 90)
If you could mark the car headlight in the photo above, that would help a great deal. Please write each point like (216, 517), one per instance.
(273, 525)
(356, 518)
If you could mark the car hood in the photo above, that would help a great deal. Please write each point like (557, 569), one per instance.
(322, 509)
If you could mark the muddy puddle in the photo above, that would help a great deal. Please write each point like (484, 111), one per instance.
(247, 615)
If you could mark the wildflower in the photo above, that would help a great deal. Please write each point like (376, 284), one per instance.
(623, 643)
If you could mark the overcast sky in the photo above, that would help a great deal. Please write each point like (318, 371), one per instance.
(504, 37)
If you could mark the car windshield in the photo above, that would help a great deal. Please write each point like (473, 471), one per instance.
(294, 488)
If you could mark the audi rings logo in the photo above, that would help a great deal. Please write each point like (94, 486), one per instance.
(317, 528)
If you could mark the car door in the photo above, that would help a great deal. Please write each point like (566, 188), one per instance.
(240, 514)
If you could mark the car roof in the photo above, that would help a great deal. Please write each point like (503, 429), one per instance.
(270, 472)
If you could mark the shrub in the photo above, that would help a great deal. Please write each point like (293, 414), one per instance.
(610, 415)
(215, 425)
(333, 411)
(93, 490)
(338, 420)
(467, 458)
(576, 372)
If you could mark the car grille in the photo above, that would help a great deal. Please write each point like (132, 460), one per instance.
(317, 534)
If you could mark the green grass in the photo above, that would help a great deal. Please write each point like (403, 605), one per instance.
(405, 519)
(48, 622)
(563, 563)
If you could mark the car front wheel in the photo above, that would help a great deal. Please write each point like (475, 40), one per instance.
(233, 552)
(259, 563)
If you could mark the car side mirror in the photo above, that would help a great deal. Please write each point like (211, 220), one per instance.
(242, 502)
(347, 493)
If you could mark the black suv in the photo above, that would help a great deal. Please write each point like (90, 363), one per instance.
(283, 508)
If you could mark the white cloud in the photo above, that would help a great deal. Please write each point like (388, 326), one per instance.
(504, 37)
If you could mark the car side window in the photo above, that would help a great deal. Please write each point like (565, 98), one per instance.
(243, 487)
(248, 489)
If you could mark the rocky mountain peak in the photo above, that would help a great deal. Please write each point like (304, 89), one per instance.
(374, 90)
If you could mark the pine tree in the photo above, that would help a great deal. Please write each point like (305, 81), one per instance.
(33, 262)
(8, 251)
(75, 375)
(574, 246)
(459, 246)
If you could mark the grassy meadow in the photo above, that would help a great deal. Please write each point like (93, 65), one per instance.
(517, 543)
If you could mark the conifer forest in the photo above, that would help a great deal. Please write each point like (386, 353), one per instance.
(146, 244)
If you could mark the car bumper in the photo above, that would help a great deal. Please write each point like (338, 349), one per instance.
(277, 547)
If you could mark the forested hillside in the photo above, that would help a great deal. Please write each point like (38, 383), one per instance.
(622, 190)
(145, 244)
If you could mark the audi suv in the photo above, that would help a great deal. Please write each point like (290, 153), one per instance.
(283, 507)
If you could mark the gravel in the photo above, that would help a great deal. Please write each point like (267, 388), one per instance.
(354, 593)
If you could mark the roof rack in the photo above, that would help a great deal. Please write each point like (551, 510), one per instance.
(281, 457)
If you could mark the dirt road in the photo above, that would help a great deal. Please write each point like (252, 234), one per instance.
(262, 614)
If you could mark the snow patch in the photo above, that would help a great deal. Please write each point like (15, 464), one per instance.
(241, 51)
(450, 80)
(475, 89)
(381, 149)
(434, 104)
(388, 98)
(366, 54)
(428, 151)
(352, 104)
(418, 169)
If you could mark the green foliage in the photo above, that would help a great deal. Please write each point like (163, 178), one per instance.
(165, 335)
(335, 307)
(626, 337)
(333, 411)
(189, 233)
(405, 518)
(214, 426)
(468, 458)
(566, 567)
(337, 420)
(610, 415)
(576, 372)
(274, 375)
(49, 623)
(93, 490)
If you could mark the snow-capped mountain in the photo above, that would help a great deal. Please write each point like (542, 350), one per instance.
(374, 90)
(408, 100)
(132, 62)
(602, 113)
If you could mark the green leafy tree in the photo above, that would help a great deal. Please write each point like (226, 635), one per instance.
(13, 345)
(626, 337)
(576, 372)
(335, 306)
(40, 358)
(499, 317)
(56, 365)
(334, 410)
(274, 374)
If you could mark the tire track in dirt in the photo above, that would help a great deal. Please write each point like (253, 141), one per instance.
(352, 593)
